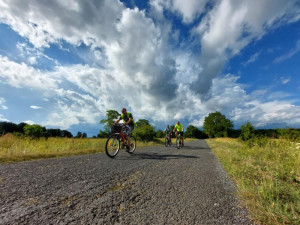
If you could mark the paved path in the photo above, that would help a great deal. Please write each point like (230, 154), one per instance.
(155, 185)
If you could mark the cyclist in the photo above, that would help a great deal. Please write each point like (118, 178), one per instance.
(179, 129)
(168, 132)
(129, 124)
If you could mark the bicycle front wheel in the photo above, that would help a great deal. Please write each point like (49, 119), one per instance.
(178, 142)
(132, 145)
(112, 145)
(166, 141)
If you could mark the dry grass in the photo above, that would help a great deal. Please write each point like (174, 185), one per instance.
(267, 177)
(13, 148)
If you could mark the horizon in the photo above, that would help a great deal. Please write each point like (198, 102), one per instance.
(63, 65)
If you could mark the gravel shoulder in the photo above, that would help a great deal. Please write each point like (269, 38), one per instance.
(155, 185)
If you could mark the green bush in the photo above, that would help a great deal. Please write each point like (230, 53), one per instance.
(290, 134)
(247, 131)
(144, 133)
(35, 131)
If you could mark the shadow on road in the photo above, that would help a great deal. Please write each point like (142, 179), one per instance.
(157, 156)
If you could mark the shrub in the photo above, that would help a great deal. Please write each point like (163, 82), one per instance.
(144, 133)
(247, 131)
(35, 131)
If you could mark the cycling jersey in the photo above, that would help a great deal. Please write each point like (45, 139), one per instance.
(178, 127)
(126, 118)
(167, 130)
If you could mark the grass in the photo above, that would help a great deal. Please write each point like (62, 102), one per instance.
(14, 149)
(267, 177)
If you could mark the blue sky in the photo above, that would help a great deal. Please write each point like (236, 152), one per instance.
(64, 63)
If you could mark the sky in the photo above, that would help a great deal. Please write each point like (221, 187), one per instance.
(63, 64)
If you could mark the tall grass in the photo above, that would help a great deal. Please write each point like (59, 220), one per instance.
(14, 148)
(267, 175)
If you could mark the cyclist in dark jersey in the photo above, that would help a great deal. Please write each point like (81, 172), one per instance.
(128, 122)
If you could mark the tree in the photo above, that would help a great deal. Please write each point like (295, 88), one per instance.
(78, 135)
(159, 134)
(144, 132)
(111, 116)
(53, 132)
(35, 131)
(193, 132)
(216, 125)
(8, 127)
(142, 122)
(66, 133)
(84, 135)
(247, 131)
(102, 134)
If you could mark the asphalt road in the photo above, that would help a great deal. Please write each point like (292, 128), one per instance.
(155, 185)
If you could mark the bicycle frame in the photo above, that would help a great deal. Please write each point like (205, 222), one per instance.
(123, 137)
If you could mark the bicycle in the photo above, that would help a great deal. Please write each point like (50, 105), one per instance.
(168, 141)
(117, 140)
(179, 143)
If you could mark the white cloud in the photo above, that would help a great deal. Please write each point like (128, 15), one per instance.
(188, 10)
(230, 26)
(133, 64)
(288, 55)
(252, 58)
(21, 75)
(35, 107)
(3, 119)
(2, 104)
(285, 80)
(29, 122)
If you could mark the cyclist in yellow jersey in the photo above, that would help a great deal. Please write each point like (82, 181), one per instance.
(129, 123)
(179, 129)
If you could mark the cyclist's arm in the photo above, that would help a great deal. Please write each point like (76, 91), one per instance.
(117, 121)
(130, 119)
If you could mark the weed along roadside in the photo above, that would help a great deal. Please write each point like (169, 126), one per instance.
(267, 177)
(15, 149)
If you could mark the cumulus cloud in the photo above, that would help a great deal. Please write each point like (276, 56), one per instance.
(20, 75)
(230, 26)
(133, 62)
(188, 10)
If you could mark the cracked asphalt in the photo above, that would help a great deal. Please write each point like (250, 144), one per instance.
(155, 185)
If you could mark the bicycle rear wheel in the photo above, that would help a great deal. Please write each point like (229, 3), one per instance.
(112, 145)
(132, 144)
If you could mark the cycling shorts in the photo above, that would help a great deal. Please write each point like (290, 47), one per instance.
(180, 132)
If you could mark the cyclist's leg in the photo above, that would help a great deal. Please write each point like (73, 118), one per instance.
(129, 132)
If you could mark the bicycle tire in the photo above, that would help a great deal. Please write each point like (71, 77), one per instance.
(178, 143)
(112, 145)
(132, 144)
(166, 141)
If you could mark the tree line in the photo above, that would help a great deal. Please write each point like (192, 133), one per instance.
(215, 125)
(35, 131)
